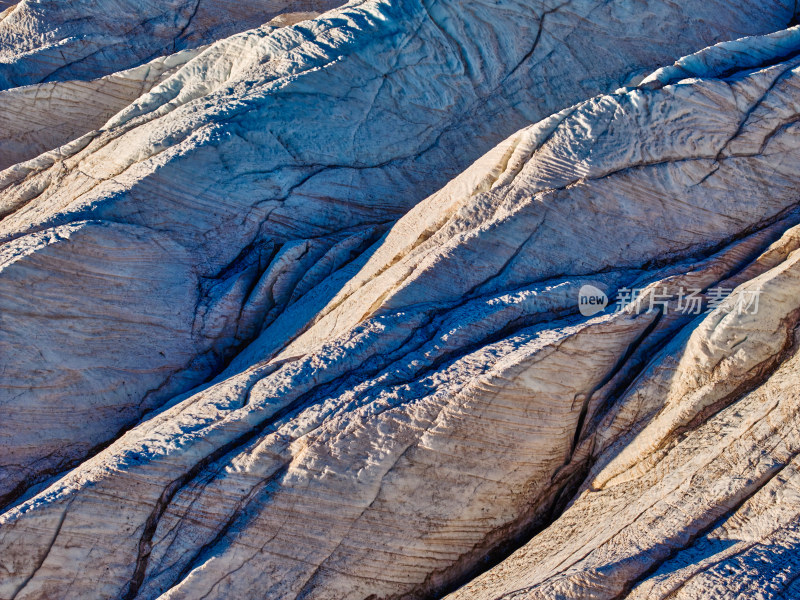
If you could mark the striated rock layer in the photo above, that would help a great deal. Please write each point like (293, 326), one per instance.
(391, 407)
(50, 40)
(141, 257)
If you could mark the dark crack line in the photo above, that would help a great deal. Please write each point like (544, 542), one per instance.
(169, 492)
(741, 391)
(185, 27)
(240, 508)
(452, 41)
(46, 553)
(172, 489)
(302, 402)
(55, 75)
(621, 363)
(571, 480)
(535, 45)
(787, 73)
(764, 481)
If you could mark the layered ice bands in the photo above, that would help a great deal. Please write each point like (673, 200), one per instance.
(400, 390)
